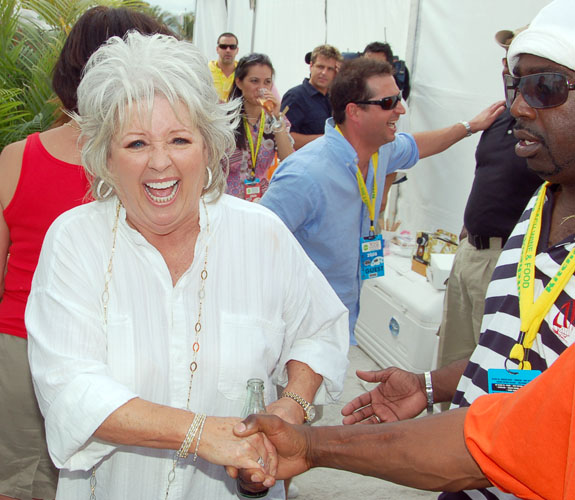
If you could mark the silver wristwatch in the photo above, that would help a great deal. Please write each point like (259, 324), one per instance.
(308, 408)
(469, 133)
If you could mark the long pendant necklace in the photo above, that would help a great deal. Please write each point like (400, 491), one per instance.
(195, 345)
(195, 350)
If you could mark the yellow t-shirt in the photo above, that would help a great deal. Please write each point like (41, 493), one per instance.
(222, 82)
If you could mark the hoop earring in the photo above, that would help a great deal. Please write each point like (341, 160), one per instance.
(210, 175)
(99, 190)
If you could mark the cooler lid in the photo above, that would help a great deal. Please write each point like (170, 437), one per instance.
(410, 291)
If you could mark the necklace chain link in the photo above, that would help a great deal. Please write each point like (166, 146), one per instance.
(195, 346)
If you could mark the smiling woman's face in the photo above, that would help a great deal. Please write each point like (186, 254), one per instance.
(159, 165)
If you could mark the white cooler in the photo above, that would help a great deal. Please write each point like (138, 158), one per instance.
(399, 318)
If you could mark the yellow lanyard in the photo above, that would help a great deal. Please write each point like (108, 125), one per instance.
(254, 152)
(364, 193)
(533, 312)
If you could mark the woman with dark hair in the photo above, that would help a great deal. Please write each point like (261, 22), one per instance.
(40, 178)
(261, 132)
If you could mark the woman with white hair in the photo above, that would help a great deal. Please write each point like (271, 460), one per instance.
(143, 329)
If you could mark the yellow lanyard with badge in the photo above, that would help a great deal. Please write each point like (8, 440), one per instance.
(371, 246)
(532, 312)
(252, 185)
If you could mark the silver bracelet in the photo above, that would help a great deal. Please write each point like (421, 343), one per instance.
(184, 450)
(467, 127)
(279, 124)
(199, 436)
(429, 392)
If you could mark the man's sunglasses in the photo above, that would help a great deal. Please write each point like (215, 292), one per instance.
(225, 46)
(386, 103)
(540, 90)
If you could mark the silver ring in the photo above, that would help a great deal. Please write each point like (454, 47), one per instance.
(377, 418)
(261, 462)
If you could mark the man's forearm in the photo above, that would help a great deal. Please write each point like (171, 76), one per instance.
(435, 141)
(445, 380)
(427, 453)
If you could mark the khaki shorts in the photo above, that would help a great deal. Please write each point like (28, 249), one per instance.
(26, 470)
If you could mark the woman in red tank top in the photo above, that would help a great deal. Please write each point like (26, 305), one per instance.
(40, 178)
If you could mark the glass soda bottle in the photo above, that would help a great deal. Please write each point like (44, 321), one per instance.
(254, 404)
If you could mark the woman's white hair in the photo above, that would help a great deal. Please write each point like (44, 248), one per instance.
(128, 73)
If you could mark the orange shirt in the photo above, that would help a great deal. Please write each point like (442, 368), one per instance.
(522, 441)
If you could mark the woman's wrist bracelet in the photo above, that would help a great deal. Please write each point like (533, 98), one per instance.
(279, 124)
(199, 436)
(184, 450)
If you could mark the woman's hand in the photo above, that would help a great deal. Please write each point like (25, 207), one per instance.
(269, 102)
(293, 442)
(219, 445)
(287, 409)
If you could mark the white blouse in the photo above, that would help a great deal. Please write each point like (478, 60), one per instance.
(265, 304)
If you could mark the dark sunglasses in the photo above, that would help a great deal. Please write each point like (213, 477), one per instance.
(386, 103)
(540, 90)
(225, 46)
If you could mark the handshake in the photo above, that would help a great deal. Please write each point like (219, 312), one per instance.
(282, 449)
(429, 453)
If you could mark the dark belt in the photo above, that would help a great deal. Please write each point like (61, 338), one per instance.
(485, 242)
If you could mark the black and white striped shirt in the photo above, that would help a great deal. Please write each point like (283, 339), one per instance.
(501, 323)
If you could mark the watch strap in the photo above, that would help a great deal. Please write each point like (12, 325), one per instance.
(467, 127)
(306, 405)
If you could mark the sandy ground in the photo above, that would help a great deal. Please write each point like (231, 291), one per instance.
(319, 484)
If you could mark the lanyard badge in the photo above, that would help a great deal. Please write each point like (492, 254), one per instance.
(254, 150)
(252, 185)
(371, 257)
(532, 312)
(370, 247)
(252, 190)
(502, 380)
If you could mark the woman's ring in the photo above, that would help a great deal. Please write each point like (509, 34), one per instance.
(261, 461)
(377, 418)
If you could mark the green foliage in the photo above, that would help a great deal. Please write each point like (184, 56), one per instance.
(32, 33)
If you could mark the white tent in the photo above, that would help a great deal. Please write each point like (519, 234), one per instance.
(449, 47)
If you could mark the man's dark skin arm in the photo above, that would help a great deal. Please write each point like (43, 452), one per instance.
(427, 453)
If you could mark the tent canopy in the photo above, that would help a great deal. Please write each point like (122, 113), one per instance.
(449, 48)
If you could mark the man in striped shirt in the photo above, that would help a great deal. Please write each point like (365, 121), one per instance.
(521, 335)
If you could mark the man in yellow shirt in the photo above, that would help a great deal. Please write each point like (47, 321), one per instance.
(224, 68)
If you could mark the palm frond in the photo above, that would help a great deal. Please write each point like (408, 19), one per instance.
(32, 33)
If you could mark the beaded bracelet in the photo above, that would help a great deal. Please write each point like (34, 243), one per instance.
(199, 437)
(184, 450)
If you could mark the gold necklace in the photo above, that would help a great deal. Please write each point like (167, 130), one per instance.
(195, 346)
(72, 126)
(197, 330)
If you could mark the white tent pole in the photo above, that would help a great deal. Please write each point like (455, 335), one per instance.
(254, 7)
(413, 37)
(325, 20)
